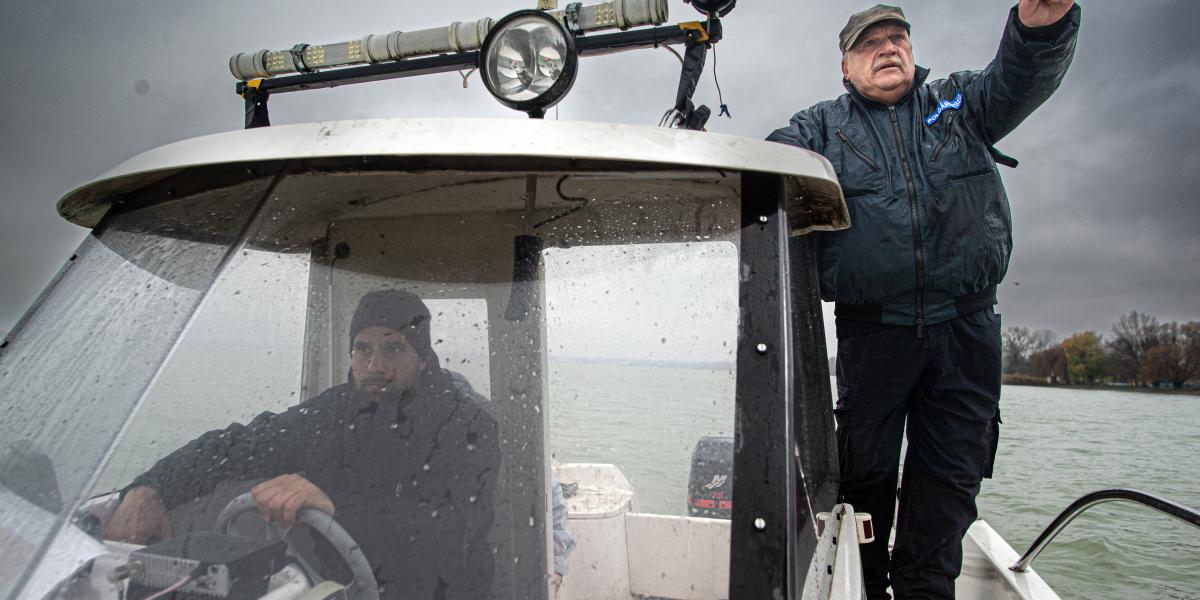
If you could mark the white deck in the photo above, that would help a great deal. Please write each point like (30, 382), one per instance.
(622, 554)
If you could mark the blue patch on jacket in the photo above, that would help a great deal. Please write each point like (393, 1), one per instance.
(943, 105)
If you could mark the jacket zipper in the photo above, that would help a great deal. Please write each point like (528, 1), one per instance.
(918, 243)
(863, 155)
(946, 138)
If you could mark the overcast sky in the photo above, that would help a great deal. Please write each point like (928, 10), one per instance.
(1104, 202)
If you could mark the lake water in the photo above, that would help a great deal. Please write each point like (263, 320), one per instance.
(1056, 445)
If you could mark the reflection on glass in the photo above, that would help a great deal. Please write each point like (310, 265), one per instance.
(76, 369)
(649, 331)
(344, 345)
(234, 361)
(641, 342)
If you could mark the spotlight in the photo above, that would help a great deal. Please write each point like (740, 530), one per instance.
(528, 61)
(713, 8)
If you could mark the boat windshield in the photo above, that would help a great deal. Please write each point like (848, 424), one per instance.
(479, 373)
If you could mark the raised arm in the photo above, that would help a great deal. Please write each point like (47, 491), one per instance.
(1035, 51)
(1043, 13)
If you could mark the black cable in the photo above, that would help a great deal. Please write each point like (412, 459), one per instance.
(558, 188)
(720, 98)
(676, 53)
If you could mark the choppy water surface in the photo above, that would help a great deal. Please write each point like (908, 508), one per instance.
(1056, 445)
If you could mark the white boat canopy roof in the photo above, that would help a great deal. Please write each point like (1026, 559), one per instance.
(601, 145)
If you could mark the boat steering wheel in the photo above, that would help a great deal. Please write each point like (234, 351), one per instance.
(364, 586)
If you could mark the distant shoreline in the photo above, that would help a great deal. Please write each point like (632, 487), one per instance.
(647, 363)
(1115, 388)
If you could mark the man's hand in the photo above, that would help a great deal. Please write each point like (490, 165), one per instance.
(1040, 13)
(140, 518)
(556, 583)
(281, 498)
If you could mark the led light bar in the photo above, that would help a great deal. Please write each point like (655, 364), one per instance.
(371, 49)
(455, 38)
(614, 14)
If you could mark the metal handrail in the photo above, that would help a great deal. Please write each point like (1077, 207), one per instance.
(1186, 514)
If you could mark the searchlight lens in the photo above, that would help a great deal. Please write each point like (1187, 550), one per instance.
(528, 61)
(715, 8)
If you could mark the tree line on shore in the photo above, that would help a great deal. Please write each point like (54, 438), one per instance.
(1140, 351)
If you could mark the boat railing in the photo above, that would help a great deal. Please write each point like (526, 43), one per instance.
(1163, 505)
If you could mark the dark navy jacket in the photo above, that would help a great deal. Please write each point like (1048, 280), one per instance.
(930, 232)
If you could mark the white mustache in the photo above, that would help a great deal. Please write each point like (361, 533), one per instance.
(891, 62)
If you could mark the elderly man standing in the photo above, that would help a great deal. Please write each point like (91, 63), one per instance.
(914, 278)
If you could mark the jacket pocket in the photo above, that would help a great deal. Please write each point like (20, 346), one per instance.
(857, 152)
(970, 249)
(845, 460)
(949, 132)
(993, 441)
(957, 152)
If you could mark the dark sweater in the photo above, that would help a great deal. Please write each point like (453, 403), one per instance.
(412, 478)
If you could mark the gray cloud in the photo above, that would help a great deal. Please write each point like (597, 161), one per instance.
(1103, 202)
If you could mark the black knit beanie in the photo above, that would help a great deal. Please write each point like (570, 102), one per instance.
(395, 309)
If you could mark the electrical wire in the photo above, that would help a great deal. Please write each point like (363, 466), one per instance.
(676, 53)
(720, 98)
(558, 188)
(174, 586)
(669, 118)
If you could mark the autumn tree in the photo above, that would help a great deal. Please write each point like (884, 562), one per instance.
(1176, 358)
(1020, 344)
(1164, 363)
(1133, 335)
(1049, 364)
(1190, 343)
(1085, 357)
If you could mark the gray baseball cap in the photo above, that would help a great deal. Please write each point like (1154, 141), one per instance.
(859, 23)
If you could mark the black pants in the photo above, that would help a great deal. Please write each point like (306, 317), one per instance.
(946, 385)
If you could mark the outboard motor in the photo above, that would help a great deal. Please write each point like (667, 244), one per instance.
(710, 484)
